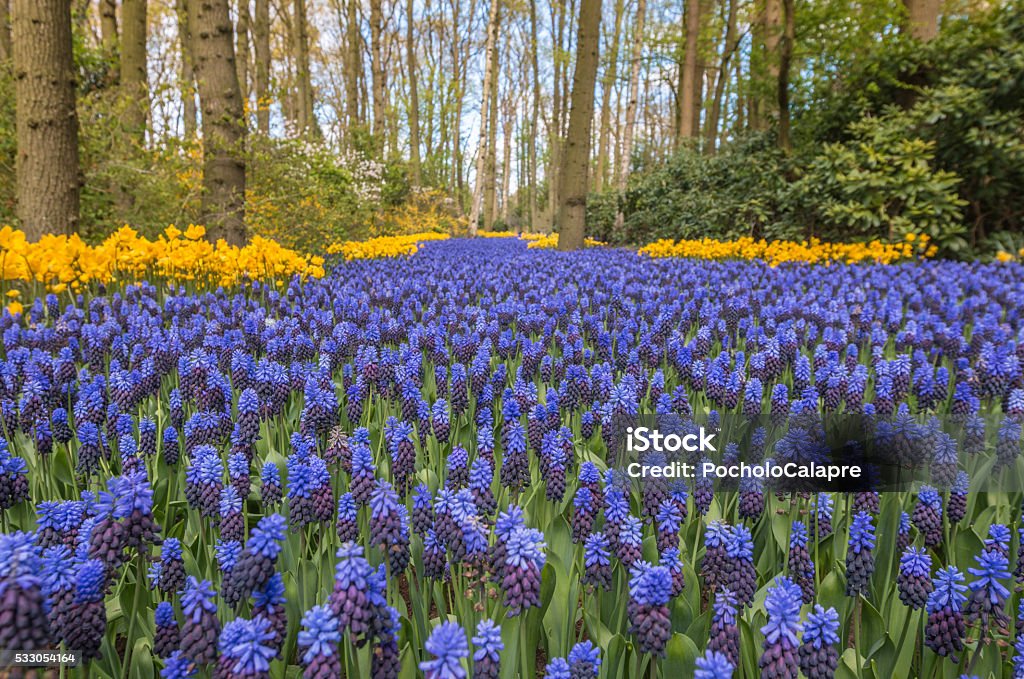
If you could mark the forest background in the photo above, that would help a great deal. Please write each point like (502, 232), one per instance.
(313, 121)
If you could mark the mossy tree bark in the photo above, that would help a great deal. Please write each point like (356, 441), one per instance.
(46, 120)
(223, 123)
(572, 209)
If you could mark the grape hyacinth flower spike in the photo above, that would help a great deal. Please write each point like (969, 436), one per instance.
(318, 640)
(713, 665)
(256, 565)
(487, 656)
(23, 608)
(945, 628)
(860, 560)
(780, 656)
(167, 636)
(914, 580)
(447, 644)
(987, 601)
(201, 630)
(584, 660)
(818, 655)
(650, 588)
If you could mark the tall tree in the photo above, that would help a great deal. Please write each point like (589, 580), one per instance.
(572, 211)
(534, 118)
(688, 80)
(223, 201)
(261, 52)
(414, 96)
(304, 83)
(134, 70)
(785, 57)
(491, 167)
(242, 48)
(186, 76)
(45, 117)
(5, 30)
(109, 37)
(607, 85)
(353, 66)
(377, 68)
(629, 129)
(730, 44)
(922, 18)
(490, 76)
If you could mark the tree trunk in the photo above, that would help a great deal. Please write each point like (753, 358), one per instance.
(572, 211)
(242, 49)
(555, 130)
(5, 30)
(607, 85)
(304, 115)
(223, 202)
(626, 159)
(688, 80)
(534, 119)
(354, 66)
(108, 37)
(785, 57)
(377, 67)
(728, 49)
(261, 49)
(506, 162)
(489, 82)
(45, 118)
(922, 19)
(491, 183)
(414, 97)
(134, 69)
(186, 78)
(772, 20)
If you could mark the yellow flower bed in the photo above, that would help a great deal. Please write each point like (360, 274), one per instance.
(537, 240)
(63, 262)
(383, 246)
(776, 252)
(497, 234)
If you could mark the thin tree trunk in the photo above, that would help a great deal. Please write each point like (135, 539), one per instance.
(785, 56)
(481, 152)
(45, 117)
(133, 69)
(223, 202)
(5, 30)
(730, 44)
(558, 93)
(242, 29)
(922, 19)
(186, 77)
(689, 82)
(261, 49)
(108, 37)
(377, 67)
(506, 162)
(607, 85)
(534, 119)
(626, 159)
(572, 212)
(772, 34)
(305, 118)
(491, 170)
(414, 97)
(354, 66)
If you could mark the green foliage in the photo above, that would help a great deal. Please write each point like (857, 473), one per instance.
(900, 138)
(884, 186)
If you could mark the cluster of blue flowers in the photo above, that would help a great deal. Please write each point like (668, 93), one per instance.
(440, 434)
